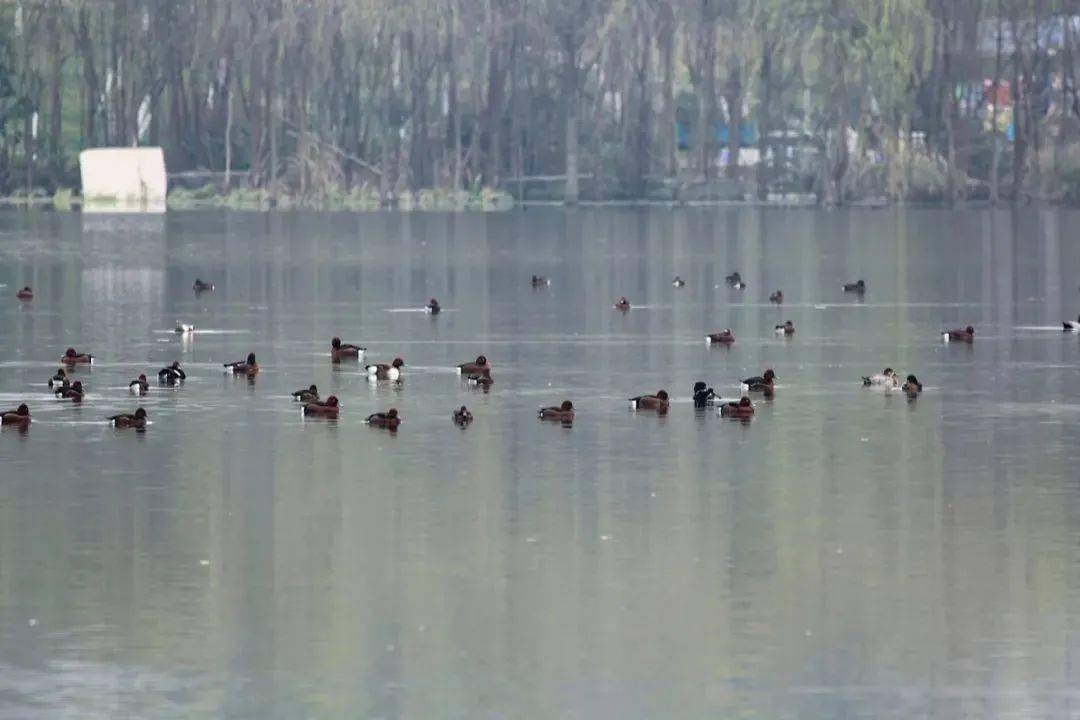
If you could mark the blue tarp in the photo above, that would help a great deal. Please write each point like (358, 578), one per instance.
(747, 135)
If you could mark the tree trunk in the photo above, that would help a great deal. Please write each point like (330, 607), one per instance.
(666, 40)
(995, 159)
(734, 100)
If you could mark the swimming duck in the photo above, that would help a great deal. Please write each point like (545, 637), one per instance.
(1070, 325)
(912, 387)
(19, 417)
(742, 409)
(244, 367)
(787, 328)
(60, 378)
(762, 384)
(201, 286)
(855, 287)
(433, 307)
(139, 386)
(735, 280)
(76, 358)
(171, 374)
(386, 372)
(678, 282)
(25, 294)
(563, 413)
(777, 297)
(328, 409)
(184, 328)
(480, 367)
(703, 395)
(967, 335)
(73, 392)
(540, 281)
(481, 381)
(307, 395)
(658, 402)
(721, 338)
(885, 377)
(344, 351)
(462, 416)
(622, 304)
(389, 419)
(124, 420)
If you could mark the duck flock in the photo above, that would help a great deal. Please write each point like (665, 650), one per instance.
(477, 373)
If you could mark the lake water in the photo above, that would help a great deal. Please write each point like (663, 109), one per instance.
(845, 554)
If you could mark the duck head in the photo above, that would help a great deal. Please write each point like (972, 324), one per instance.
(391, 414)
(61, 373)
(70, 352)
(175, 365)
(251, 359)
(140, 414)
(332, 401)
(481, 360)
(336, 343)
(23, 410)
(769, 375)
(77, 385)
(567, 406)
(969, 330)
(313, 389)
(744, 402)
(699, 387)
(662, 394)
(398, 363)
(142, 378)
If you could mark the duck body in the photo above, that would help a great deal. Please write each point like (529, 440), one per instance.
(201, 287)
(184, 328)
(480, 366)
(735, 280)
(462, 416)
(59, 379)
(721, 338)
(136, 420)
(966, 335)
(389, 420)
(328, 409)
(1071, 325)
(764, 384)
(307, 395)
(622, 304)
(386, 372)
(777, 298)
(704, 396)
(741, 409)
(345, 351)
(658, 402)
(858, 287)
(886, 377)
(563, 413)
(678, 282)
(540, 281)
(76, 358)
(786, 329)
(73, 392)
(25, 294)
(433, 307)
(249, 367)
(139, 386)
(171, 374)
(19, 417)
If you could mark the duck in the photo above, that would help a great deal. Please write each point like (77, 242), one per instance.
(735, 280)
(540, 281)
(912, 386)
(184, 328)
(658, 402)
(137, 420)
(386, 372)
(344, 351)
(788, 328)
(433, 307)
(20, 417)
(1070, 325)
(777, 298)
(139, 386)
(73, 392)
(201, 286)
(563, 413)
(481, 381)
(703, 395)
(885, 377)
(327, 409)
(741, 409)
(967, 335)
(76, 358)
(763, 384)
(247, 367)
(462, 416)
(60, 378)
(306, 395)
(721, 338)
(25, 294)
(171, 374)
(622, 304)
(678, 282)
(856, 287)
(389, 419)
(481, 366)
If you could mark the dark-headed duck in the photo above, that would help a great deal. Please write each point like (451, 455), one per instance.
(201, 286)
(742, 409)
(17, 418)
(433, 307)
(183, 328)
(307, 395)
(735, 280)
(389, 419)
(967, 335)
(787, 328)
(1070, 325)
(763, 384)
(540, 281)
(703, 395)
(25, 294)
(721, 338)
(124, 420)
(885, 377)
(247, 367)
(386, 372)
(480, 367)
(462, 416)
(171, 374)
(139, 386)
(777, 297)
(622, 304)
(912, 387)
(73, 392)
(327, 409)
(60, 378)
(658, 402)
(678, 282)
(76, 358)
(855, 287)
(344, 351)
(563, 413)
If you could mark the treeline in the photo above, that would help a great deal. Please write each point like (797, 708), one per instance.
(902, 99)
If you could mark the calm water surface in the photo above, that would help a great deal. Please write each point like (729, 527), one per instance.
(846, 554)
